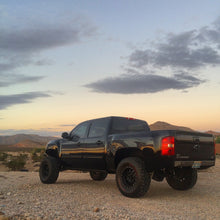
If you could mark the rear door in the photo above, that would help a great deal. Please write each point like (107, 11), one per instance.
(95, 150)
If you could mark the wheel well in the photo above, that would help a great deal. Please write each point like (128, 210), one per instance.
(146, 155)
(52, 153)
(127, 152)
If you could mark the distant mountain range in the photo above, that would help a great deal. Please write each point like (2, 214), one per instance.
(160, 125)
(14, 139)
(213, 133)
(21, 141)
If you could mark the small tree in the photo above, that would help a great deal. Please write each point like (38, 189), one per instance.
(3, 156)
(16, 163)
(37, 154)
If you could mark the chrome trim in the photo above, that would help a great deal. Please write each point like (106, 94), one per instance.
(190, 163)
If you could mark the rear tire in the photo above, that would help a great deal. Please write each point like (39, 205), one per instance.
(49, 170)
(182, 178)
(132, 178)
(98, 175)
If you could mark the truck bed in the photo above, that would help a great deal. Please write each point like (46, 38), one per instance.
(191, 148)
(195, 147)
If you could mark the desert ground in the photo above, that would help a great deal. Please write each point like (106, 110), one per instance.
(30, 165)
(76, 196)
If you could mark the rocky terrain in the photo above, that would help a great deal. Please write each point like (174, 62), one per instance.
(76, 196)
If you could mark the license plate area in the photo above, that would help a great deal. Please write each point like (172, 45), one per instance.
(196, 164)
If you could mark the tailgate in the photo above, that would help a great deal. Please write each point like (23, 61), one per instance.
(194, 147)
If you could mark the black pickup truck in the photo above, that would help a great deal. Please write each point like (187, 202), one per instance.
(127, 147)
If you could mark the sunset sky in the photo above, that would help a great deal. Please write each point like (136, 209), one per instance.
(63, 62)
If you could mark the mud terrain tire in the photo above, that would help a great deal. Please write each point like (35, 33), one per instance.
(132, 178)
(49, 170)
(98, 175)
(182, 178)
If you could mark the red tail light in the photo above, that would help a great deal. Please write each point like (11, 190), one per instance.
(167, 146)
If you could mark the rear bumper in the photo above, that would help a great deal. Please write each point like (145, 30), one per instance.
(194, 164)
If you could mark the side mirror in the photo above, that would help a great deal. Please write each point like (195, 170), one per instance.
(75, 138)
(65, 135)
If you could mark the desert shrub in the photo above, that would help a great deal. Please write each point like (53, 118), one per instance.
(3, 156)
(16, 163)
(217, 140)
(37, 154)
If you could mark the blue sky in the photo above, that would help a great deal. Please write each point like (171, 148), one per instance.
(62, 62)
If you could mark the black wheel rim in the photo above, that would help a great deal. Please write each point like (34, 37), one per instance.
(179, 176)
(129, 177)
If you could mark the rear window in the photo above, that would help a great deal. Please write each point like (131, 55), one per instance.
(125, 125)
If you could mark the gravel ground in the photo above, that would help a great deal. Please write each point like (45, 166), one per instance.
(76, 196)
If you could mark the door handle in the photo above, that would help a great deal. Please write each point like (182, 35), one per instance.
(99, 142)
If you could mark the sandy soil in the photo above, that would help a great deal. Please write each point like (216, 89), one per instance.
(76, 196)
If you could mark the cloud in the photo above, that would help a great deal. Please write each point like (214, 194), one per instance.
(9, 100)
(182, 54)
(10, 61)
(10, 79)
(20, 46)
(43, 62)
(40, 37)
(190, 50)
(67, 125)
(140, 83)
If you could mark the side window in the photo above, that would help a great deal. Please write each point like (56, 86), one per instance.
(80, 130)
(98, 128)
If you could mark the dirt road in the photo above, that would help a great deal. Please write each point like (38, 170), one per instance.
(76, 196)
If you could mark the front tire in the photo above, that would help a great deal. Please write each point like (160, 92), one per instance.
(132, 178)
(49, 170)
(98, 175)
(182, 178)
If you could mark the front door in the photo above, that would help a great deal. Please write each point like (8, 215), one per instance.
(94, 153)
(72, 149)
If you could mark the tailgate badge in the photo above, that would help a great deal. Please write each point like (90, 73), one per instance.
(196, 147)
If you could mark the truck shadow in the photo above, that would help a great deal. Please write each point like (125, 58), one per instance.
(157, 190)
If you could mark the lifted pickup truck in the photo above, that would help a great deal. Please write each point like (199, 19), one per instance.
(127, 147)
